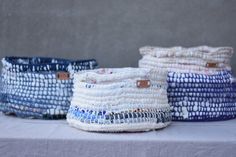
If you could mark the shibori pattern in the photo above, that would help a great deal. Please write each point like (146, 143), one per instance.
(201, 86)
(119, 100)
(39, 87)
(202, 97)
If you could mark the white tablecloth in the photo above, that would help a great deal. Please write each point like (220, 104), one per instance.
(54, 138)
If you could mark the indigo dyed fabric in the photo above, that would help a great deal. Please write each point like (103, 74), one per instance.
(39, 87)
(119, 100)
(197, 97)
(2, 100)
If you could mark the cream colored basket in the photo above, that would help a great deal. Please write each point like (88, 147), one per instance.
(118, 100)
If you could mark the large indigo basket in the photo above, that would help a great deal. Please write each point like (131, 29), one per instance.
(119, 100)
(39, 87)
(201, 86)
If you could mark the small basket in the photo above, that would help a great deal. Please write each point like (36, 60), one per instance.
(39, 87)
(200, 84)
(119, 100)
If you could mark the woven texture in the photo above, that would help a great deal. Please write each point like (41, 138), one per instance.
(181, 59)
(200, 84)
(111, 100)
(32, 87)
(1, 94)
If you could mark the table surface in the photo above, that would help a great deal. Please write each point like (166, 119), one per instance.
(39, 138)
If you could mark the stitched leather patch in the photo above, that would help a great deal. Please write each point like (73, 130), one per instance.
(143, 83)
(211, 65)
(63, 76)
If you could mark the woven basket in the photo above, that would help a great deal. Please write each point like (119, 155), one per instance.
(39, 87)
(118, 100)
(200, 84)
(1, 94)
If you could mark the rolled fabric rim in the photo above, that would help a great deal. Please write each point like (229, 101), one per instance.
(178, 51)
(37, 64)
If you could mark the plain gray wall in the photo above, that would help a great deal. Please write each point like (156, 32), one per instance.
(111, 31)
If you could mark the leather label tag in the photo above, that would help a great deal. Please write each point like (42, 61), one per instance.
(211, 65)
(63, 76)
(143, 83)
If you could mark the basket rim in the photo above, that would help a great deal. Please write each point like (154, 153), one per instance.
(109, 75)
(47, 60)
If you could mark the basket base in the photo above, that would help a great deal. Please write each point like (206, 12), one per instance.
(125, 127)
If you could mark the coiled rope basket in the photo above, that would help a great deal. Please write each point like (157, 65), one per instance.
(119, 100)
(39, 87)
(201, 86)
(1, 94)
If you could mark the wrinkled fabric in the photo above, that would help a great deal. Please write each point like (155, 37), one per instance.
(54, 138)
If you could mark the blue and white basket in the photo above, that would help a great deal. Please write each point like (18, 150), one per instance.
(39, 87)
(197, 97)
(119, 100)
(201, 86)
(2, 100)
